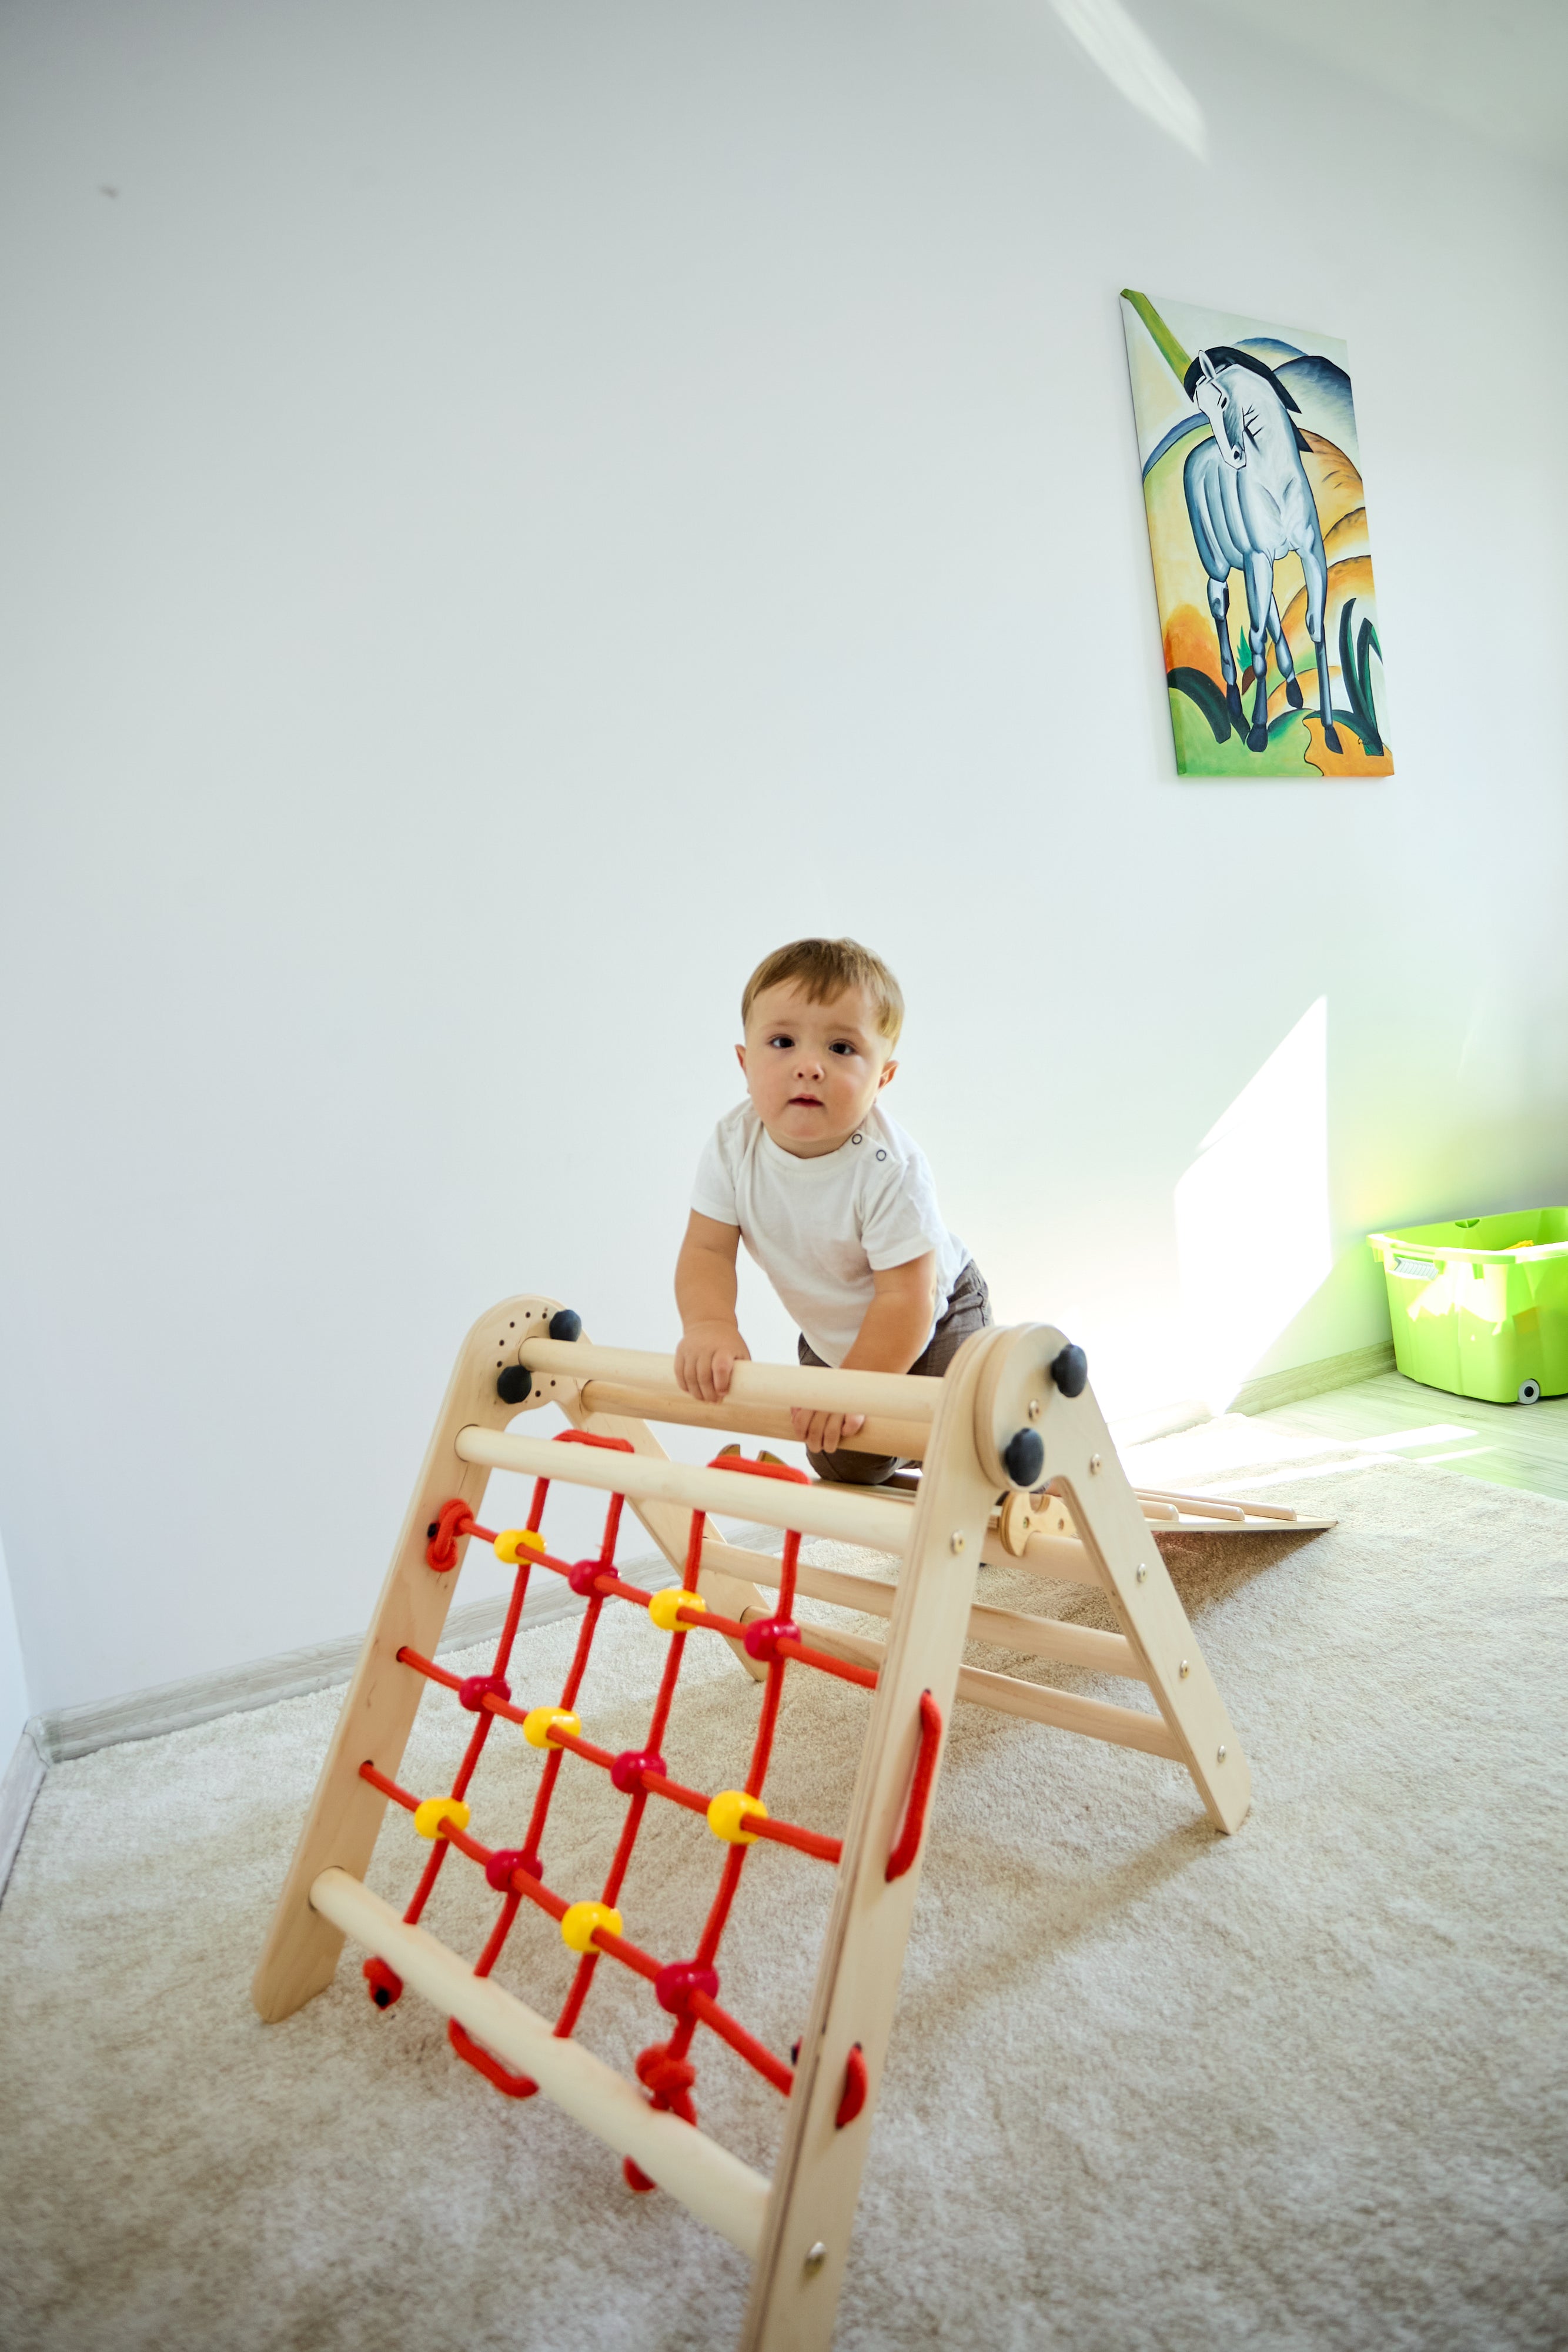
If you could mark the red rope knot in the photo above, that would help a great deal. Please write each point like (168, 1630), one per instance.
(384, 1984)
(584, 1577)
(763, 1635)
(626, 1770)
(674, 1986)
(668, 2080)
(475, 1689)
(902, 1858)
(855, 2081)
(452, 1523)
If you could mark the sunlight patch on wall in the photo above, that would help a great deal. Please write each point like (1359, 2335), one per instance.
(1131, 63)
(1252, 1212)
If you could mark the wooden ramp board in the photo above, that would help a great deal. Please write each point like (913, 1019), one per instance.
(1186, 1514)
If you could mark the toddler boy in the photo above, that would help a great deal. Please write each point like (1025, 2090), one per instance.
(835, 1201)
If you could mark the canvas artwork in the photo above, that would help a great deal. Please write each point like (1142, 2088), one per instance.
(1257, 530)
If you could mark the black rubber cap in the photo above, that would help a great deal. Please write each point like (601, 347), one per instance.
(1024, 1457)
(1071, 1372)
(565, 1324)
(515, 1384)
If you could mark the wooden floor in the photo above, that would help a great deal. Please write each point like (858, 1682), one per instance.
(1508, 1445)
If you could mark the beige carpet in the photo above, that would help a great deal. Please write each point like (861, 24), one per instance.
(1150, 2087)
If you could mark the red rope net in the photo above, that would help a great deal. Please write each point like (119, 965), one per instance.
(688, 1991)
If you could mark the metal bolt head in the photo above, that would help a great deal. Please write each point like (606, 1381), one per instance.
(1184, 1670)
(815, 2259)
(1143, 1571)
(1220, 1758)
(1034, 1408)
(955, 1540)
(1094, 1465)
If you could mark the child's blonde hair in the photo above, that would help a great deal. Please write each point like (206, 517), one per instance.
(826, 969)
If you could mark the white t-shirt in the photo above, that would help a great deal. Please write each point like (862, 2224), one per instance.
(819, 1228)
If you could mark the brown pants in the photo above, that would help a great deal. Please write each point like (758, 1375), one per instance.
(968, 1309)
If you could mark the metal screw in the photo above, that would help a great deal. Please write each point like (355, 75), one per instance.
(1093, 1464)
(1034, 1408)
(1143, 1571)
(1221, 1755)
(1184, 1670)
(955, 1540)
(815, 2259)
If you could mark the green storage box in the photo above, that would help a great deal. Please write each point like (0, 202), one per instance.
(1480, 1307)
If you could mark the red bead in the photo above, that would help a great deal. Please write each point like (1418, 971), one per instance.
(504, 1861)
(627, 1771)
(763, 1635)
(582, 1576)
(475, 1689)
(674, 1986)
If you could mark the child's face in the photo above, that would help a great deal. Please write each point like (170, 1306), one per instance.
(813, 1071)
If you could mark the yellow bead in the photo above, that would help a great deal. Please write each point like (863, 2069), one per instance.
(729, 1810)
(512, 1540)
(540, 1721)
(580, 1919)
(428, 1817)
(662, 1607)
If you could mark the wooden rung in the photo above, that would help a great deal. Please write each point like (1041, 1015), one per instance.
(899, 1396)
(907, 1438)
(1124, 1727)
(717, 2187)
(1011, 1629)
(844, 1514)
(1053, 1637)
(1061, 1557)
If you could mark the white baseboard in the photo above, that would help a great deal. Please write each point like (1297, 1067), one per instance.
(24, 1779)
(1168, 1421)
(1300, 1381)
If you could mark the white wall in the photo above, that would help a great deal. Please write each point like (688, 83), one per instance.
(515, 510)
(13, 1707)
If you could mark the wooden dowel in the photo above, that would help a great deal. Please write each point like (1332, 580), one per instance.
(843, 1514)
(1063, 1557)
(716, 2186)
(1212, 1506)
(1123, 1726)
(898, 1396)
(1053, 1637)
(907, 1438)
(1207, 1507)
(1011, 1629)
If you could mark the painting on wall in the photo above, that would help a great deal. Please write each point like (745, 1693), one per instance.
(1257, 530)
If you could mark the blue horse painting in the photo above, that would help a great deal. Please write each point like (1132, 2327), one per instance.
(1252, 467)
(1251, 503)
